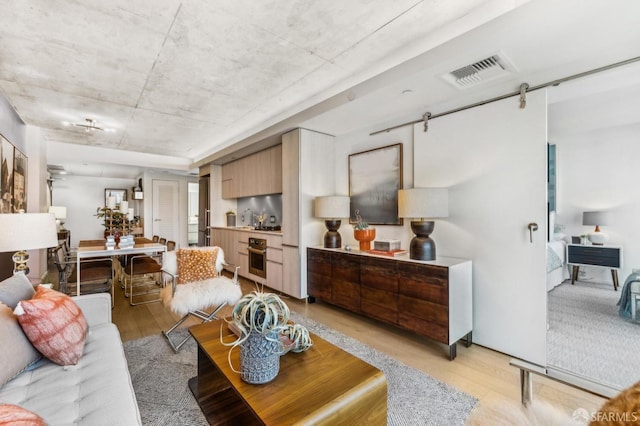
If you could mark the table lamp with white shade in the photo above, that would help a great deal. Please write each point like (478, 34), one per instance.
(60, 213)
(422, 204)
(26, 231)
(597, 219)
(332, 208)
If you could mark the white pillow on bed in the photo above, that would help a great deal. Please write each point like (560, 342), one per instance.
(559, 236)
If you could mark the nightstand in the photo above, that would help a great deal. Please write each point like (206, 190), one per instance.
(603, 256)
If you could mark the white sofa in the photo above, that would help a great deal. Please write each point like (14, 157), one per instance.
(96, 391)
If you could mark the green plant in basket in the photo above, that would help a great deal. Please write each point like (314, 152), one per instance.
(259, 312)
(260, 322)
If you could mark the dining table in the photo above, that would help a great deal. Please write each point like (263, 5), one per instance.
(91, 249)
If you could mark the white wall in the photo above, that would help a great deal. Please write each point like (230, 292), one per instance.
(82, 196)
(600, 171)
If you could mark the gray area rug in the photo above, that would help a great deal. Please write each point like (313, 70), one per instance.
(160, 381)
(588, 338)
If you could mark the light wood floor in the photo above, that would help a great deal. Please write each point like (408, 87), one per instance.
(479, 371)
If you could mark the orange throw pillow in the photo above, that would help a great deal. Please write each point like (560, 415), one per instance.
(54, 324)
(196, 264)
(17, 416)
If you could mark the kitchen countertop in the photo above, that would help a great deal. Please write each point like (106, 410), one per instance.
(246, 229)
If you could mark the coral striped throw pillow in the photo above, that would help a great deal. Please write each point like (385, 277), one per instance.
(54, 324)
(17, 416)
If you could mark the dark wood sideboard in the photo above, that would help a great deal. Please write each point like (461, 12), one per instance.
(430, 298)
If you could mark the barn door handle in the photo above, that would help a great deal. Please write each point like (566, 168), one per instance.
(532, 228)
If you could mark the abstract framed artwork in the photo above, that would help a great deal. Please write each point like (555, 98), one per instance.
(375, 176)
(6, 175)
(19, 181)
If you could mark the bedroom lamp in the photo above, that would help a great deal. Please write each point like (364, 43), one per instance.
(421, 203)
(26, 231)
(60, 213)
(597, 219)
(332, 208)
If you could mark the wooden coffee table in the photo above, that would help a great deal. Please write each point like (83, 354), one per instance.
(324, 385)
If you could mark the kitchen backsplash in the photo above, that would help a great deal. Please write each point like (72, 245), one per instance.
(251, 207)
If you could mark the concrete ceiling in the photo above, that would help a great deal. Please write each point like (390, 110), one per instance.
(192, 82)
(184, 79)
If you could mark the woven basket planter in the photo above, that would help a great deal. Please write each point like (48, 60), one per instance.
(260, 358)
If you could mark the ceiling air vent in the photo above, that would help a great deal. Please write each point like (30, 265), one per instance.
(55, 169)
(479, 72)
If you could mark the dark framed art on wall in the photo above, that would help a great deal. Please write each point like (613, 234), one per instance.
(375, 176)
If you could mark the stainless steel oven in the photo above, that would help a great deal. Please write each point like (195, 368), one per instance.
(258, 257)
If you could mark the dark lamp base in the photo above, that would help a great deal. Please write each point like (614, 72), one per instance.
(332, 238)
(422, 247)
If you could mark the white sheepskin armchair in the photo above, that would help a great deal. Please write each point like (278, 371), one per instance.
(193, 297)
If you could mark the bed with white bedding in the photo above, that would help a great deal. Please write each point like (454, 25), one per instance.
(557, 270)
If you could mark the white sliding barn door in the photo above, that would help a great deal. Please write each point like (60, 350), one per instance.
(166, 211)
(493, 160)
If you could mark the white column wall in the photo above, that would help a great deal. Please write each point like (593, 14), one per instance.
(37, 191)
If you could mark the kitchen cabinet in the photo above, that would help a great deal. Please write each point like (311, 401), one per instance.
(235, 243)
(432, 299)
(255, 174)
(225, 239)
(308, 171)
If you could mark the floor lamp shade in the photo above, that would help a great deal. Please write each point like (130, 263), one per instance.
(423, 203)
(597, 219)
(26, 231)
(332, 208)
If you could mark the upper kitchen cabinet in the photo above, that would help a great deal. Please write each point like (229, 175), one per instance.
(255, 174)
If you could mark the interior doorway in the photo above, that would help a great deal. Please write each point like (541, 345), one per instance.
(595, 133)
(192, 222)
(204, 212)
(166, 213)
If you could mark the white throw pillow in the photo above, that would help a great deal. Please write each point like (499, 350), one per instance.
(16, 351)
(14, 289)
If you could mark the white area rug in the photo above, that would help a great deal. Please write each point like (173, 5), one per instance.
(588, 338)
(160, 381)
